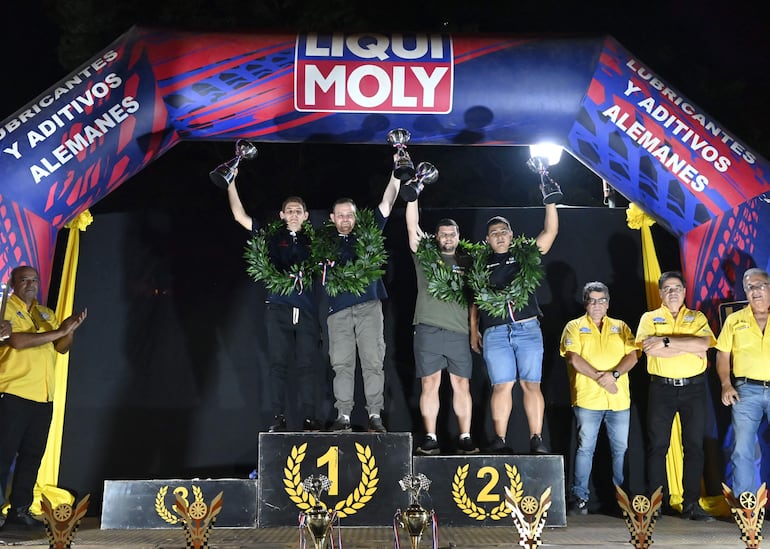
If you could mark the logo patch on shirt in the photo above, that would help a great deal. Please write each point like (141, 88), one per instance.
(689, 318)
(585, 330)
(658, 320)
(567, 342)
(45, 315)
(615, 329)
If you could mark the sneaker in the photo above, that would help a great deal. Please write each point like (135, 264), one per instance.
(376, 425)
(279, 424)
(466, 446)
(341, 424)
(23, 519)
(694, 511)
(311, 424)
(537, 446)
(428, 447)
(578, 507)
(497, 446)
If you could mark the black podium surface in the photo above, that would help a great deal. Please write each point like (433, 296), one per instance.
(469, 490)
(364, 470)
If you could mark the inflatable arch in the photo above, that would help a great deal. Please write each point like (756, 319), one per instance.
(132, 102)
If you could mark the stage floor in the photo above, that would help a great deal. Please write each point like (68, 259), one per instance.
(596, 531)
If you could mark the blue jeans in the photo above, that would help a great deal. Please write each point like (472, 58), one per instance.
(514, 352)
(746, 417)
(588, 424)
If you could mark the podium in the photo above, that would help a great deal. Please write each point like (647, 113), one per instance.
(364, 470)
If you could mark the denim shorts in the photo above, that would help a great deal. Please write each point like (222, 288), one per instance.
(514, 352)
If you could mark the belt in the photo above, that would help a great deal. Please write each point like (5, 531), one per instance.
(530, 319)
(762, 382)
(679, 381)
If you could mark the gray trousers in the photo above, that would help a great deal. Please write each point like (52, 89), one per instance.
(360, 326)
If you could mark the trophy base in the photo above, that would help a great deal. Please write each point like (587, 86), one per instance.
(408, 193)
(220, 180)
(404, 173)
(553, 198)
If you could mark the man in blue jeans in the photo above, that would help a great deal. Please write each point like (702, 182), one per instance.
(745, 342)
(513, 343)
(599, 351)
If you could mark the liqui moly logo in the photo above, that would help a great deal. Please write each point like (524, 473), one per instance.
(400, 73)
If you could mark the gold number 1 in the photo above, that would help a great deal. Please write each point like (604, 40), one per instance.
(332, 457)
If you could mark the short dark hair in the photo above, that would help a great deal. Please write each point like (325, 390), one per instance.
(595, 286)
(447, 222)
(668, 275)
(497, 220)
(296, 199)
(344, 200)
(16, 271)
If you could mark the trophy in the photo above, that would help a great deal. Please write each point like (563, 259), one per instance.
(426, 174)
(550, 188)
(224, 174)
(317, 520)
(414, 518)
(403, 168)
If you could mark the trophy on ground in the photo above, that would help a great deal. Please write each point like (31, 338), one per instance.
(224, 174)
(403, 168)
(426, 174)
(414, 519)
(550, 188)
(318, 519)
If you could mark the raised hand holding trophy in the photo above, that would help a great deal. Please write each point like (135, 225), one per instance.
(403, 168)
(224, 174)
(414, 519)
(548, 187)
(426, 174)
(317, 520)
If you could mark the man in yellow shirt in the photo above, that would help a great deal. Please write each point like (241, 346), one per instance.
(26, 388)
(675, 340)
(599, 351)
(745, 339)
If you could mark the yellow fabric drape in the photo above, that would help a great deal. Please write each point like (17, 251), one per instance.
(48, 474)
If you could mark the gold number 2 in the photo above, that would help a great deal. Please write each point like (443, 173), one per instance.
(485, 493)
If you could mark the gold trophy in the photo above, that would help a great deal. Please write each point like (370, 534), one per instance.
(317, 520)
(414, 518)
(548, 187)
(224, 174)
(403, 168)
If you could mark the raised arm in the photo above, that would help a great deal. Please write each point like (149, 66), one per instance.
(389, 196)
(550, 229)
(236, 206)
(413, 230)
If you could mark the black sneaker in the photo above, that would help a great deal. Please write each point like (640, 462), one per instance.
(466, 446)
(428, 447)
(578, 507)
(340, 424)
(279, 424)
(537, 446)
(23, 519)
(497, 446)
(311, 424)
(694, 511)
(376, 425)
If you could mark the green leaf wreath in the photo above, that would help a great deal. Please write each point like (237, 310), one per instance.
(356, 275)
(495, 302)
(262, 269)
(444, 282)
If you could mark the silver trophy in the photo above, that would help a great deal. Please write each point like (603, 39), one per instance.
(403, 168)
(550, 188)
(426, 174)
(318, 519)
(3, 303)
(224, 174)
(414, 519)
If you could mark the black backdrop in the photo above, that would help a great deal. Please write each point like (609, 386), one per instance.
(168, 376)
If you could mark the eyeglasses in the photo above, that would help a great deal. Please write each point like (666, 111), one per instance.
(761, 286)
(672, 289)
(599, 301)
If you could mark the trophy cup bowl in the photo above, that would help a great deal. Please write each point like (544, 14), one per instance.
(426, 174)
(403, 168)
(224, 174)
(549, 188)
(414, 519)
(317, 522)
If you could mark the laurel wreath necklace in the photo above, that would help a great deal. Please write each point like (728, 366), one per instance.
(445, 282)
(502, 303)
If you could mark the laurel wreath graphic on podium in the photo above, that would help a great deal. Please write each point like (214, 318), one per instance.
(469, 507)
(160, 502)
(348, 506)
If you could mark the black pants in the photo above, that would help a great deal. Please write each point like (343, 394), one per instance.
(24, 426)
(664, 401)
(286, 339)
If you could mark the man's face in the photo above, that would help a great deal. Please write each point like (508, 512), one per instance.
(758, 293)
(672, 294)
(26, 284)
(499, 237)
(344, 217)
(447, 237)
(294, 215)
(597, 305)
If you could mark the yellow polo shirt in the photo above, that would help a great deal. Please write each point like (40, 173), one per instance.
(28, 373)
(603, 350)
(661, 322)
(750, 347)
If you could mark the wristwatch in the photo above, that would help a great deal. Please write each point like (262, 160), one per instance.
(666, 341)
(615, 374)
